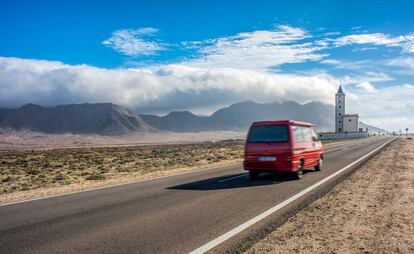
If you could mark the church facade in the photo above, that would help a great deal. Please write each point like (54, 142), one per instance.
(344, 122)
(346, 125)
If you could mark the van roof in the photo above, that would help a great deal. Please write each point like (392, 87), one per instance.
(283, 122)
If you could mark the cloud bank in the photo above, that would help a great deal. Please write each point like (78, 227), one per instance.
(389, 107)
(160, 88)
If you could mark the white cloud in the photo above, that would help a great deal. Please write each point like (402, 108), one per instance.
(257, 50)
(388, 107)
(364, 49)
(351, 65)
(374, 38)
(404, 62)
(405, 42)
(161, 88)
(403, 66)
(356, 28)
(367, 87)
(365, 77)
(134, 42)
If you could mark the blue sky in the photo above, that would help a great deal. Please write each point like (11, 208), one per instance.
(158, 56)
(72, 31)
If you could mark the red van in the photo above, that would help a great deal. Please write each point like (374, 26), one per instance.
(282, 146)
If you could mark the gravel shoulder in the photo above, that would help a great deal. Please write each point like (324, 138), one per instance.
(370, 212)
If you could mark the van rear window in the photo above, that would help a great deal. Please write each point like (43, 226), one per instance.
(272, 133)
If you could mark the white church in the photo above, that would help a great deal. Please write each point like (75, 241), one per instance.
(344, 122)
(346, 125)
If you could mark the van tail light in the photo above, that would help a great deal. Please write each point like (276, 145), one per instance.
(248, 157)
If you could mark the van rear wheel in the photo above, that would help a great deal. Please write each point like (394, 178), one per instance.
(253, 175)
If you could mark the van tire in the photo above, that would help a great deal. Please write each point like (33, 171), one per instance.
(299, 173)
(254, 175)
(320, 164)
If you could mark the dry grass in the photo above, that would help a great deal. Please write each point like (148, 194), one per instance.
(370, 212)
(29, 170)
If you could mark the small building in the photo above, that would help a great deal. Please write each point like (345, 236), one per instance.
(350, 123)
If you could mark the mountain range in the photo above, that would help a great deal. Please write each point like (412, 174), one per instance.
(371, 129)
(112, 119)
(100, 118)
(240, 115)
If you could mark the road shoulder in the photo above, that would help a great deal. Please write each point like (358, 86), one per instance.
(369, 212)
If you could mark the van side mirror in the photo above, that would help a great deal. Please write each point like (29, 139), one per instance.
(315, 139)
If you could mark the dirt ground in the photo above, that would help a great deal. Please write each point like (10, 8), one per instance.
(28, 174)
(29, 140)
(370, 212)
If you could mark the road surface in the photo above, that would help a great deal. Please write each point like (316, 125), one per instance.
(176, 214)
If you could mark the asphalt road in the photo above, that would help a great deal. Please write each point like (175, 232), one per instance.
(174, 214)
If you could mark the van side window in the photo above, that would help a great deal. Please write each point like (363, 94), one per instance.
(297, 133)
(307, 133)
(314, 134)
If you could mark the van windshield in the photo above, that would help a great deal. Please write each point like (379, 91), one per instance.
(271, 133)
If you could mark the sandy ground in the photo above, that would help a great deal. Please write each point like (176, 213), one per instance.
(27, 174)
(28, 140)
(87, 185)
(370, 212)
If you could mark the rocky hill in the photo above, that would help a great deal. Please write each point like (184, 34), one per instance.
(239, 116)
(371, 129)
(100, 118)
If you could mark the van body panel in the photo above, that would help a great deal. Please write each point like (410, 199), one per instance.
(281, 152)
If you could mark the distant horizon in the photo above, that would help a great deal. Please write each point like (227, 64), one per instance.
(166, 112)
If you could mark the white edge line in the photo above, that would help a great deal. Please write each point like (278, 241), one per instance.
(215, 242)
(231, 178)
(117, 185)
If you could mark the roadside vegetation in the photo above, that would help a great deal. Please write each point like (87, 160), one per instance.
(370, 212)
(29, 170)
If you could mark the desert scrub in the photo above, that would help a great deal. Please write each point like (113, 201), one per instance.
(95, 176)
(64, 166)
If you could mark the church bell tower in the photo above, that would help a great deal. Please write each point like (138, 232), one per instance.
(339, 109)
